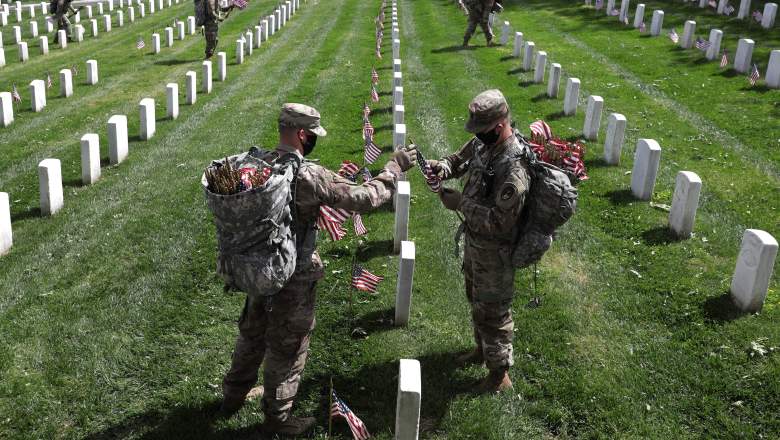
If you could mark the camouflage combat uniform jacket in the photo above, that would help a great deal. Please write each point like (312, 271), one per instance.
(278, 333)
(479, 14)
(496, 183)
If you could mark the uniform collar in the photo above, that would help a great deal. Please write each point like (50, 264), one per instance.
(284, 149)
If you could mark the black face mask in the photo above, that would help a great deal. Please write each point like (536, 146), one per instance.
(489, 137)
(308, 146)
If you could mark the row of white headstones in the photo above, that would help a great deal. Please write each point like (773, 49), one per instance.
(50, 171)
(744, 55)
(79, 30)
(409, 396)
(37, 88)
(767, 18)
(755, 263)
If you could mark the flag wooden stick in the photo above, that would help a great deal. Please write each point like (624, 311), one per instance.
(330, 405)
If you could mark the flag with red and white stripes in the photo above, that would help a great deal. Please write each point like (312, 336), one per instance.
(349, 170)
(724, 60)
(368, 131)
(433, 181)
(371, 152)
(754, 75)
(357, 221)
(331, 220)
(758, 16)
(48, 80)
(374, 76)
(540, 131)
(365, 280)
(140, 43)
(642, 28)
(340, 409)
(366, 112)
(673, 36)
(374, 94)
(15, 97)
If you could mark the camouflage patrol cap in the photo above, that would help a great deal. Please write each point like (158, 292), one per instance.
(486, 109)
(301, 116)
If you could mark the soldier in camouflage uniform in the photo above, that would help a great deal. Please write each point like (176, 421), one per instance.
(496, 183)
(61, 9)
(209, 14)
(479, 14)
(279, 335)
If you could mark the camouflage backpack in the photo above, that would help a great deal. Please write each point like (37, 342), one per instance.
(550, 203)
(256, 228)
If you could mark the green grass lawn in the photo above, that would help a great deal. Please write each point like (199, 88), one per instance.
(114, 324)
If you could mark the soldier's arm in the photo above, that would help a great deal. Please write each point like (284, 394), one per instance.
(510, 199)
(334, 190)
(457, 162)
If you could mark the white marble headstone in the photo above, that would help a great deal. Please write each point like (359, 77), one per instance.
(755, 263)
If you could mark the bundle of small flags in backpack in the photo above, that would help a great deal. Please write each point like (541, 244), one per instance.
(568, 156)
(223, 179)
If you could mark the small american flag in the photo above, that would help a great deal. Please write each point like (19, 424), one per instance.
(74, 70)
(754, 75)
(728, 10)
(48, 80)
(340, 409)
(758, 16)
(360, 228)
(366, 112)
(366, 174)
(599, 4)
(433, 181)
(140, 43)
(702, 44)
(374, 94)
(540, 131)
(330, 220)
(614, 12)
(15, 97)
(368, 131)
(378, 53)
(365, 281)
(349, 170)
(713, 4)
(673, 36)
(642, 27)
(371, 152)
(625, 20)
(240, 4)
(374, 76)
(724, 60)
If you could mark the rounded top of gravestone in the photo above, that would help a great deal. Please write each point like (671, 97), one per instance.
(485, 110)
(301, 116)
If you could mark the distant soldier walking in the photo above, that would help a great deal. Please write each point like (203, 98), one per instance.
(276, 331)
(479, 14)
(496, 183)
(208, 13)
(61, 9)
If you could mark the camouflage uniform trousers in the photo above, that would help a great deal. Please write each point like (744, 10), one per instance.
(479, 14)
(63, 22)
(206, 13)
(279, 338)
(489, 290)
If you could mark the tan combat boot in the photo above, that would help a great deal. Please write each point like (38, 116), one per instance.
(231, 404)
(293, 426)
(496, 381)
(474, 356)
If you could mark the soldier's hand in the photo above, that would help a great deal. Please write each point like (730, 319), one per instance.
(450, 198)
(441, 168)
(406, 157)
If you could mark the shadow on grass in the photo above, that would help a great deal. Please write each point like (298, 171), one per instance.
(763, 88)
(372, 249)
(526, 83)
(620, 197)
(505, 58)
(382, 110)
(721, 309)
(175, 62)
(555, 116)
(377, 321)
(541, 97)
(178, 422)
(385, 93)
(728, 73)
(596, 162)
(24, 215)
(514, 71)
(455, 48)
(660, 235)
